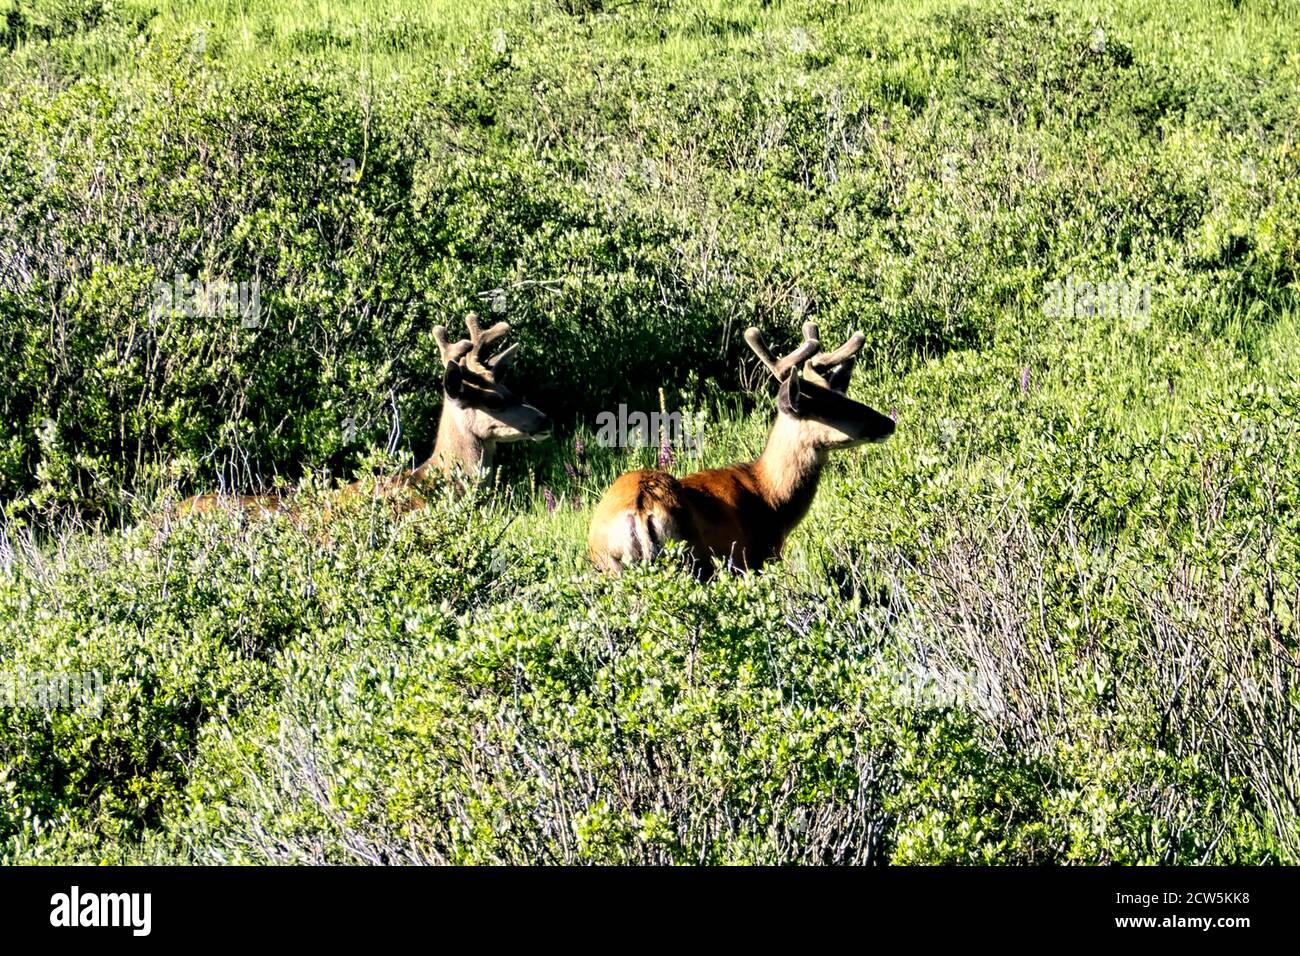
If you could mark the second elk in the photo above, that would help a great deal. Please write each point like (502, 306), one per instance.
(741, 515)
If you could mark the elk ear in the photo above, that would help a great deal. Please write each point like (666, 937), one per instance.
(838, 380)
(464, 391)
(453, 381)
(789, 396)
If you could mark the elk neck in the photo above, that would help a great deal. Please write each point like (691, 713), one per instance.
(456, 447)
(788, 471)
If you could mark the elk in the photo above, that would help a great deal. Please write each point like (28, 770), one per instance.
(478, 413)
(742, 514)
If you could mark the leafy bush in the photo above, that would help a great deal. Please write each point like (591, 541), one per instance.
(639, 720)
(1053, 620)
(177, 627)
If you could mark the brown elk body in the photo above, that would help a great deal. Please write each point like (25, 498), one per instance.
(478, 413)
(742, 514)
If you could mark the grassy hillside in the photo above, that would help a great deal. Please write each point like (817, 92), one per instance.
(1056, 618)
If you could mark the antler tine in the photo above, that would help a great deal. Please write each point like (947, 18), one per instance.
(826, 361)
(451, 351)
(476, 332)
(780, 368)
(848, 350)
(480, 338)
(755, 340)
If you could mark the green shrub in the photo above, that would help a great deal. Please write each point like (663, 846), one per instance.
(643, 719)
(182, 626)
(1081, 541)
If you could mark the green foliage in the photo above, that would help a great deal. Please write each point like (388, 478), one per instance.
(181, 627)
(666, 722)
(1054, 619)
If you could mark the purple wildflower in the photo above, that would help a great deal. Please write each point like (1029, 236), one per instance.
(550, 500)
(570, 470)
(578, 448)
(1024, 380)
(665, 455)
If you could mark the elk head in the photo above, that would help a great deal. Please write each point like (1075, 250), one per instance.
(818, 404)
(480, 405)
